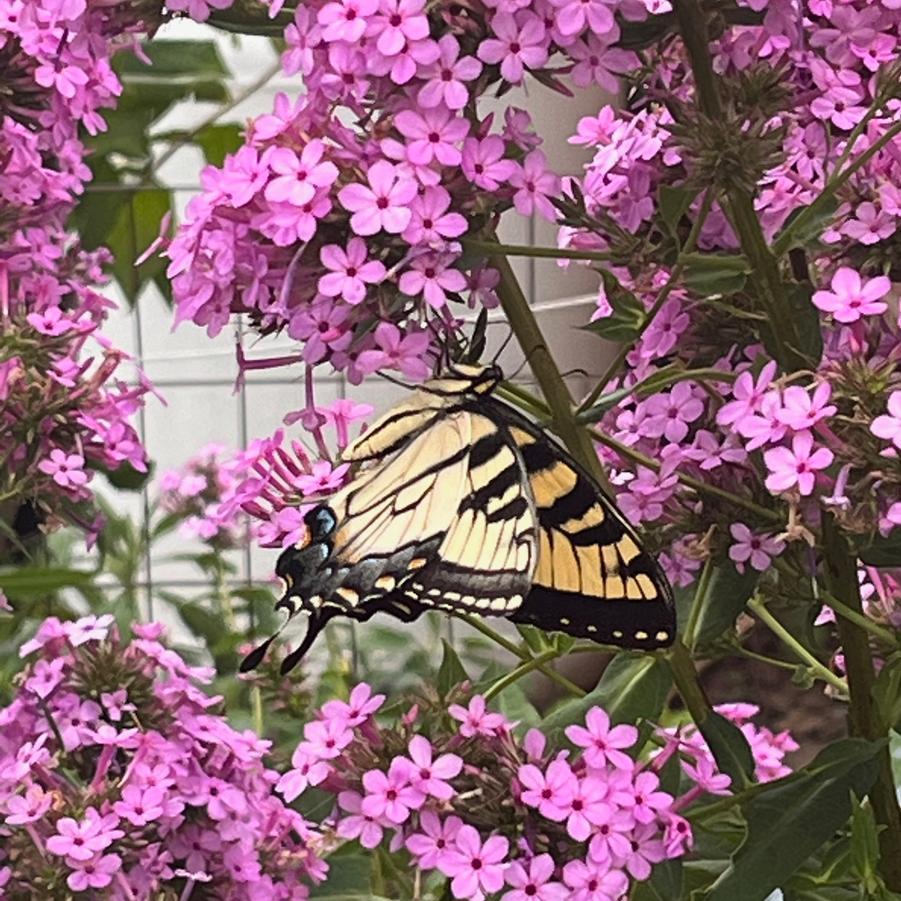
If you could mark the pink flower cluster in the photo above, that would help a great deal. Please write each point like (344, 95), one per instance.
(508, 817)
(343, 228)
(64, 407)
(119, 776)
(824, 439)
(268, 480)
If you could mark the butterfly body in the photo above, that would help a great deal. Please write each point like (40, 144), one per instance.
(459, 503)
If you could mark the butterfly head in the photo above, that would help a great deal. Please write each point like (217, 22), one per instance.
(474, 378)
(301, 565)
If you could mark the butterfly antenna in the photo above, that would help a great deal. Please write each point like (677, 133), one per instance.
(394, 381)
(503, 347)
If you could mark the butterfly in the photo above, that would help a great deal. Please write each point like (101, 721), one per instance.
(460, 503)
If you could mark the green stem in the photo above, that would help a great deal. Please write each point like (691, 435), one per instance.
(528, 250)
(698, 603)
(762, 658)
(864, 718)
(784, 242)
(526, 667)
(635, 456)
(886, 636)
(480, 626)
(686, 678)
(556, 394)
(759, 609)
(579, 441)
(657, 305)
(765, 275)
(256, 703)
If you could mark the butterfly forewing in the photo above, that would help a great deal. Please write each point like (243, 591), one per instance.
(485, 563)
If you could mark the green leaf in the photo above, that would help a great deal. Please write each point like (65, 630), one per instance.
(126, 477)
(884, 552)
(730, 749)
(887, 691)
(451, 672)
(725, 598)
(674, 203)
(135, 229)
(719, 274)
(39, 580)
(807, 321)
(169, 58)
(791, 818)
(632, 687)
(864, 841)
(624, 324)
(216, 141)
(802, 232)
(202, 622)
(348, 878)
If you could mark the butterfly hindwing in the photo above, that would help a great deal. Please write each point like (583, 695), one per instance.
(593, 578)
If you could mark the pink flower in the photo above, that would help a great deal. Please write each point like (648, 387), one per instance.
(888, 425)
(433, 134)
(45, 676)
(324, 479)
(306, 769)
(678, 838)
(51, 322)
(89, 628)
(429, 776)
(756, 548)
(432, 844)
(586, 808)
(612, 837)
(552, 792)
(396, 351)
(535, 184)
(669, 414)
(384, 204)
(431, 276)
(797, 466)
(390, 795)
(646, 848)
(573, 15)
(518, 44)
(345, 20)
(802, 411)
(748, 394)
(534, 882)
(139, 805)
(851, 297)
(601, 743)
(431, 223)
(299, 177)
(28, 807)
(398, 21)
(642, 799)
(350, 271)
(483, 162)
(592, 882)
(706, 776)
(367, 830)
(67, 470)
(446, 76)
(475, 868)
(475, 720)
(95, 873)
(361, 705)
(81, 840)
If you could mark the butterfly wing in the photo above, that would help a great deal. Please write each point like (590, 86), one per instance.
(593, 579)
(486, 560)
